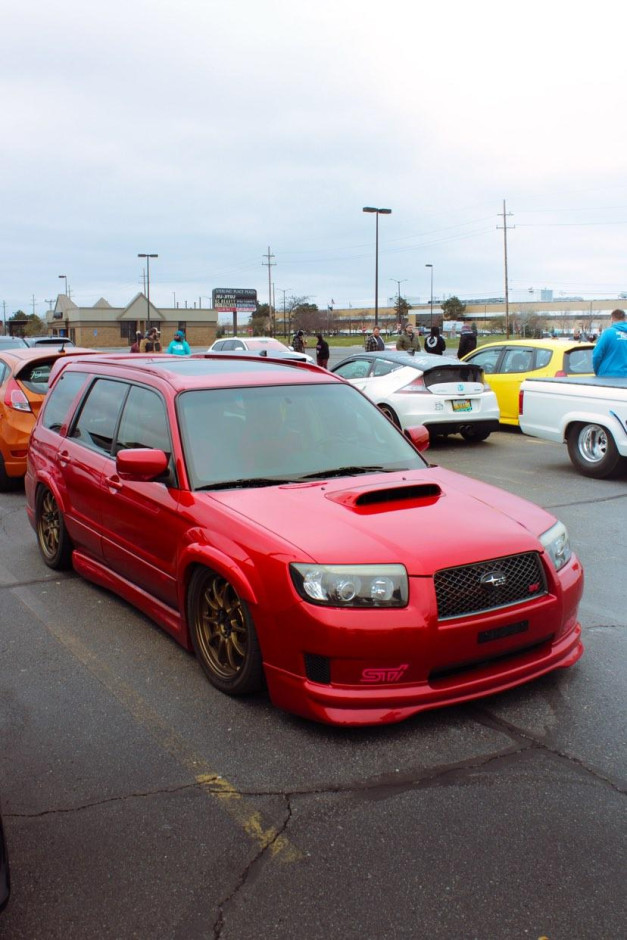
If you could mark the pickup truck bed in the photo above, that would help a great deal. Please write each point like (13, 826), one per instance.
(588, 412)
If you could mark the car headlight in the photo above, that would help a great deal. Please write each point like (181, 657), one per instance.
(352, 585)
(557, 545)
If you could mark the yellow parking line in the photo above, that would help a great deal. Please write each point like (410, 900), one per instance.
(240, 810)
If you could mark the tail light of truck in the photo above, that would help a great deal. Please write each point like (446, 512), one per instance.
(521, 401)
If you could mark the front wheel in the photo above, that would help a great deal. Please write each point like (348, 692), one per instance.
(54, 542)
(592, 450)
(474, 434)
(223, 634)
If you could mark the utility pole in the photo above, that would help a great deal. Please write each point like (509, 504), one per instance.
(505, 214)
(270, 264)
(33, 303)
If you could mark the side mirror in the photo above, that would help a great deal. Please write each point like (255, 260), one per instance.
(419, 437)
(141, 464)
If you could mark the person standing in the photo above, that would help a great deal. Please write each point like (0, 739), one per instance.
(135, 348)
(408, 340)
(179, 345)
(299, 342)
(374, 343)
(322, 351)
(467, 341)
(609, 356)
(434, 343)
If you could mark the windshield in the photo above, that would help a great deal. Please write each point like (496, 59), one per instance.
(261, 436)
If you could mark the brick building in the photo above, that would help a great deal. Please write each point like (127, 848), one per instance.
(104, 326)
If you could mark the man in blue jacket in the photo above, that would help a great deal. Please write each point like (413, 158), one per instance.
(609, 356)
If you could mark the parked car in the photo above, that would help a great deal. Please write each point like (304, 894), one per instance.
(48, 341)
(448, 397)
(12, 342)
(5, 878)
(274, 521)
(258, 345)
(507, 363)
(24, 376)
(588, 413)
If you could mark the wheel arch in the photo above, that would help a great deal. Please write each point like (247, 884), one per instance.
(203, 556)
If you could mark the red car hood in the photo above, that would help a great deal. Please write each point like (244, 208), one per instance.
(425, 519)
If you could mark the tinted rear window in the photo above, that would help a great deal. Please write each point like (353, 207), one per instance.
(578, 362)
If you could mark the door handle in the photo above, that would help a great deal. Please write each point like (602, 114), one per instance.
(114, 483)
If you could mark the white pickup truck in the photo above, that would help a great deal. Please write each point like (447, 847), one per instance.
(589, 413)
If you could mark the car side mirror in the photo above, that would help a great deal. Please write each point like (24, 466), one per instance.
(141, 464)
(419, 437)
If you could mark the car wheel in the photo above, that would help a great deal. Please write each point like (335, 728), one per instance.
(474, 434)
(223, 634)
(54, 542)
(391, 414)
(6, 482)
(592, 450)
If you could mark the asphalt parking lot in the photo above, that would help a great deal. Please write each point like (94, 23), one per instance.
(139, 802)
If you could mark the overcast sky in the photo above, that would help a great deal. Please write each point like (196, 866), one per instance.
(208, 131)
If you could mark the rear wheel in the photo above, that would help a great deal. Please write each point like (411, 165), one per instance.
(391, 414)
(54, 542)
(592, 450)
(223, 634)
(474, 434)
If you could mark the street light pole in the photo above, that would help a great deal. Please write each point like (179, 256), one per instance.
(377, 212)
(147, 257)
(431, 266)
(398, 295)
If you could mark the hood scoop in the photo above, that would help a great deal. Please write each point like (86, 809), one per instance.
(388, 498)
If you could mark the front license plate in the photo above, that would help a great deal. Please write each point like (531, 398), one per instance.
(498, 633)
(462, 404)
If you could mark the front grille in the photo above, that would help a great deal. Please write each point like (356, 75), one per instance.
(488, 585)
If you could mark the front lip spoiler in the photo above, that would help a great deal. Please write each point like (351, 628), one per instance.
(356, 705)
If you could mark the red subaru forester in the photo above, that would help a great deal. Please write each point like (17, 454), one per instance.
(273, 520)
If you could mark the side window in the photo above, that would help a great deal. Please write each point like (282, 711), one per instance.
(487, 359)
(517, 360)
(4, 371)
(218, 346)
(59, 399)
(355, 369)
(144, 421)
(99, 415)
(543, 357)
(578, 362)
(384, 367)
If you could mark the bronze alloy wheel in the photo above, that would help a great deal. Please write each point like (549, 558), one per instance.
(223, 634)
(54, 543)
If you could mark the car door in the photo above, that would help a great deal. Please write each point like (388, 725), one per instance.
(143, 525)
(84, 458)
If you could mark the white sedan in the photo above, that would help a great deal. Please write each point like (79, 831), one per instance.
(257, 345)
(438, 391)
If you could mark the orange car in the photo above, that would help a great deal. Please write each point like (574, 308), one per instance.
(23, 385)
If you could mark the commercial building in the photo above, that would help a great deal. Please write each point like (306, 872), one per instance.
(104, 326)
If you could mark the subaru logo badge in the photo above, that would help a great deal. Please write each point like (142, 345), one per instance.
(493, 580)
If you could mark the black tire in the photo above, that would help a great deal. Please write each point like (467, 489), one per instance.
(7, 482)
(391, 414)
(474, 434)
(593, 452)
(54, 542)
(223, 634)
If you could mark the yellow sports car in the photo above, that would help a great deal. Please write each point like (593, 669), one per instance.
(505, 364)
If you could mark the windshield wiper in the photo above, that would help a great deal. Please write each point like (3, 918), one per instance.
(347, 472)
(245, 482)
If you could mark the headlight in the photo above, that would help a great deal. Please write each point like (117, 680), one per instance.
(352, 585)
(557, 545)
